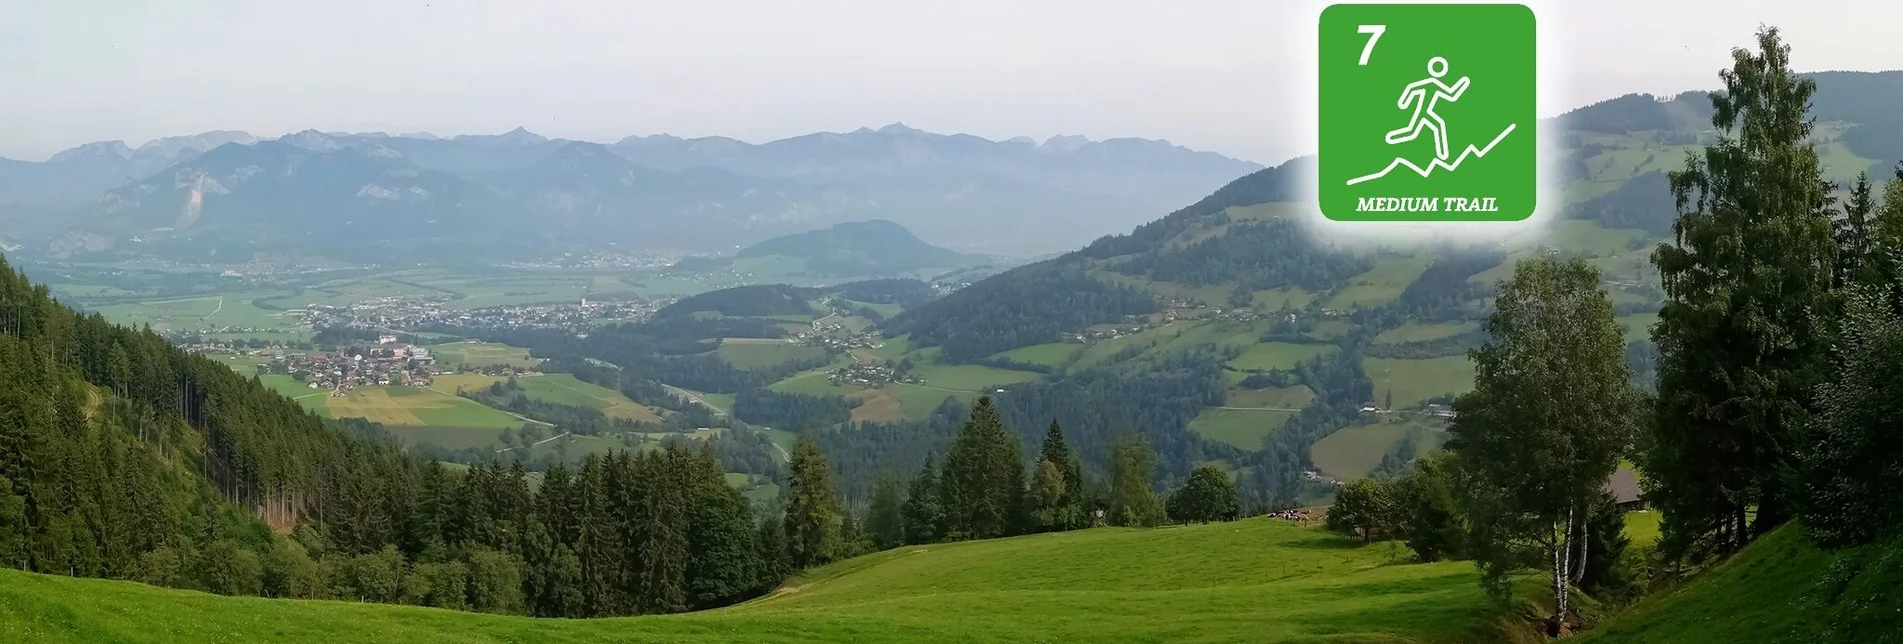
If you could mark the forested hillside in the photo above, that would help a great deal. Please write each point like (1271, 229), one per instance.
(127, 458)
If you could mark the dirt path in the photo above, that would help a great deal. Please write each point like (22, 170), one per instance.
(532, 445)
(221, 307)
(691, 396)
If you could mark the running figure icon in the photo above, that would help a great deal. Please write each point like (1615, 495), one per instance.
(1424, 117)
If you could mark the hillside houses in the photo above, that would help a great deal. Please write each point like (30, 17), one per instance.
(379, 365)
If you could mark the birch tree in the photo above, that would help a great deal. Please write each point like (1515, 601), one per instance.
(1552, 410)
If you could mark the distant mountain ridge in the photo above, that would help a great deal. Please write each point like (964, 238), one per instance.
(529, 194)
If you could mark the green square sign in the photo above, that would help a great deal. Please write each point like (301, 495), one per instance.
(1427, 113)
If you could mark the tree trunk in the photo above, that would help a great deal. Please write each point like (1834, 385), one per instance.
(1562, 572)
(1579, 571)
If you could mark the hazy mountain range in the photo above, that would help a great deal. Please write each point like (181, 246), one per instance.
(376, 197)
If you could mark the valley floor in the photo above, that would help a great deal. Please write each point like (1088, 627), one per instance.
(1257, 580)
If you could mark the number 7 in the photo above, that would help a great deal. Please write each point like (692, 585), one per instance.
(1374, 33)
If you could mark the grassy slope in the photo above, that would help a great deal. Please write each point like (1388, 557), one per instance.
(1256, 580)
(1781, 589)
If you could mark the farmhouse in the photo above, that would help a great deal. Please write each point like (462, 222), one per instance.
(1624, 486)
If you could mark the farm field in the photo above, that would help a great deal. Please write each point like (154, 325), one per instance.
(1412, 331)
(205, 312)
(969, 378)
(1351, 452)
(482, 354)
(1412, 381)
(1055, 354)
(564, 389)
(404, 406)
(1257, 580)
(1278, 355)
(1380, 284)
(1241, 428)
(1295, 397)
(758, 353)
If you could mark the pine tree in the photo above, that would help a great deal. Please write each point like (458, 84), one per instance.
(812, 513)
(924, 514)
(1741, 338)
(984, 477)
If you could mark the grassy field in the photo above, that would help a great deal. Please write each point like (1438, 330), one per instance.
(759, 353)
(1412, 331)
(1256, 580)
(564, 389)
(814, 383)
(1241, 428)
(1295, 397)
(403, 406)
(919, 401)
(483, 354)
(970, 377)
(1055, 354)
(1380, 284)
(1779, 589)
(289, 386)
(1413, 381)
(208, 312)
(1278, 355)
(1351, 452)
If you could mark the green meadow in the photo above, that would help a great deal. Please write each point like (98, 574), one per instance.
(1257, 580)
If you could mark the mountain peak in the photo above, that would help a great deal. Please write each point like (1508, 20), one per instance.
(899, 128)
(312, 140)
(1064, 144)
(522, 135)
(95, 150)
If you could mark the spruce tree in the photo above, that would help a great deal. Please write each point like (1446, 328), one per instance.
(885, 519)
(1068, 513)
(1132, 501)
(924, 513)
(812, 513)
(984, 477)
(1743, 331)
(726, 561)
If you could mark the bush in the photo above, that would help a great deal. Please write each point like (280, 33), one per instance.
(227, 568)
(1208, 496)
